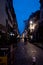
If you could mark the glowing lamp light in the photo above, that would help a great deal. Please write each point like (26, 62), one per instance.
(32, 25)
(12, 34)
(31, 22)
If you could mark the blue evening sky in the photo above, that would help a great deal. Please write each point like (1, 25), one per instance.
(23, 9)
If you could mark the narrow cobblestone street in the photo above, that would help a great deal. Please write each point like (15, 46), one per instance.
(25, 53)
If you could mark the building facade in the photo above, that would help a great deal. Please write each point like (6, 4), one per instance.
(33, 24)
(7, 15)
(41, 10)
(8, 23)
(11, 16)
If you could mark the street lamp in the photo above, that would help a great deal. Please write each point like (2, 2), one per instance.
(11, 34)
(31, 22)
(32, 26)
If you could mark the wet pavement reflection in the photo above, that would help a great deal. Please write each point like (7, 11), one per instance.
(27, 54)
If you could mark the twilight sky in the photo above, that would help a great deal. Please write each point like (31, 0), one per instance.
(23, 9)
